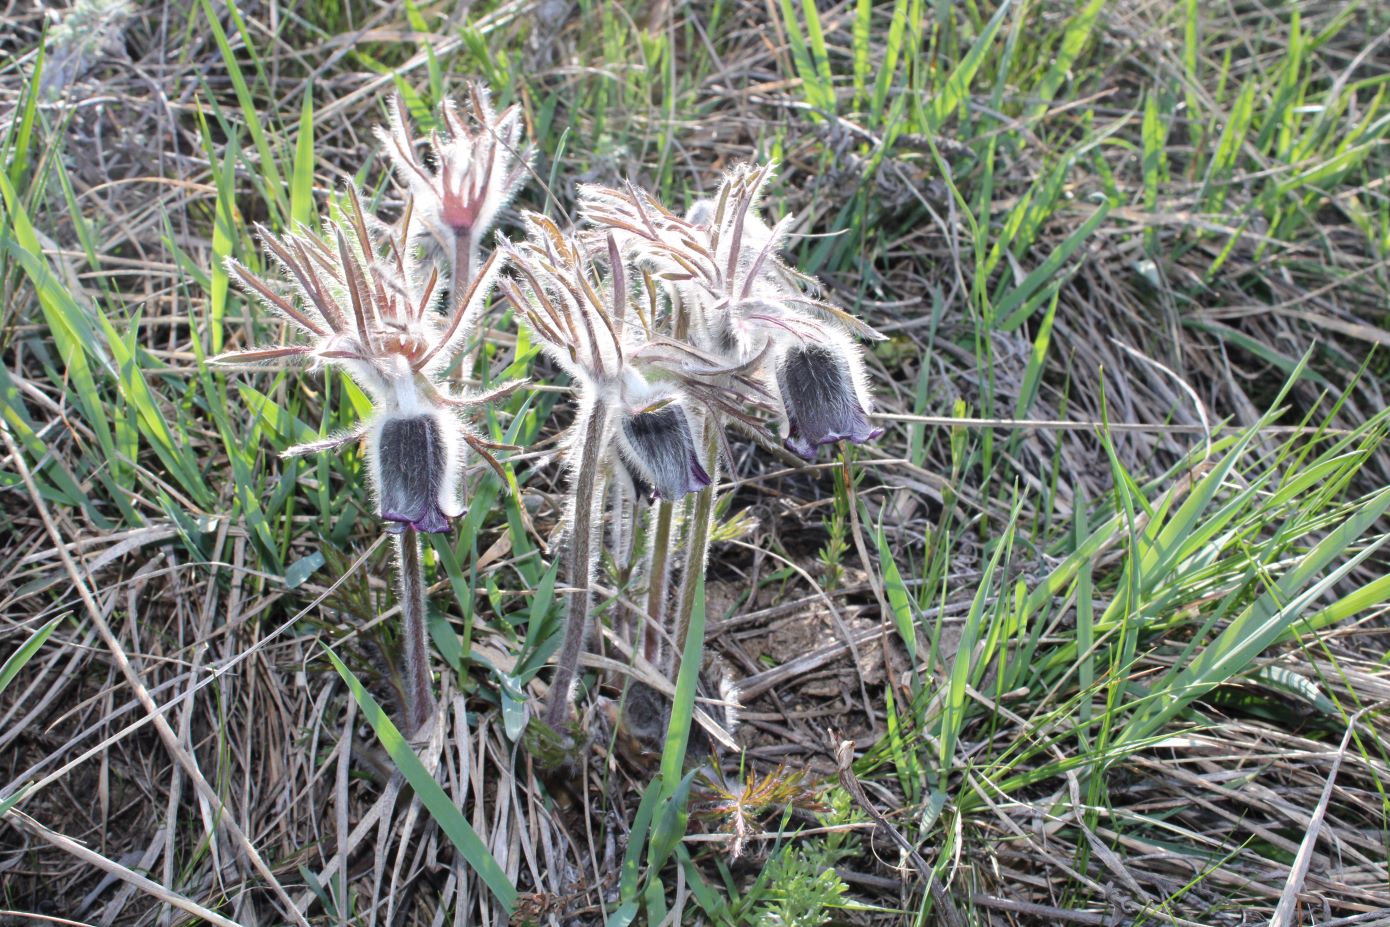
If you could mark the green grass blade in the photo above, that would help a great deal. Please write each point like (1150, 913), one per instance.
(1015, 308)
(888, 67)
(683, 707)
(25, 653)
(1074, 40)
(440, 806)
(1264, 621)
(302, 179)
(251, 114)
(956, 90)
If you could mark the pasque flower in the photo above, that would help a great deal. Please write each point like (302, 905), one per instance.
(823, 397)
(367, 300)
(748, 308)
(626, 399)
(416, 475)
(657, 442)
(356, 294)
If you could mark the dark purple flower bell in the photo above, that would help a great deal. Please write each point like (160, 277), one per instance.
(414, 474)
(821, 399)
(659, 447)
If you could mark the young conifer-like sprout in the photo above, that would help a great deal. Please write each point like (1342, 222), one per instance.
(368, 300)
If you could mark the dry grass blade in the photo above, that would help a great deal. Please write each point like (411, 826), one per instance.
(1287, 909)
(166, 733)
(68, 845)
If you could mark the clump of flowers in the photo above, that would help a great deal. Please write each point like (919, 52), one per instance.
(670, 327)
(372, 302)
(673, 327)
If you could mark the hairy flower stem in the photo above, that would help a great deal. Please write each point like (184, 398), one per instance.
(697, 540)
(462, 266)
(658, 582)
(419, 689)
(585, 501)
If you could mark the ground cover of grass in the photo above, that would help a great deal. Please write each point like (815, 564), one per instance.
(1095, 634)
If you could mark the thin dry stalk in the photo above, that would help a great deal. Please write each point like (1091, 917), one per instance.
(161, 724)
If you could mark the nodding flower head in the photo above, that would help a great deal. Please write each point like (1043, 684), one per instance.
(823, 396)
(586, 323)
(656, 440)
(480, 162)
(416, 471)
(358, 295)
(748, 310)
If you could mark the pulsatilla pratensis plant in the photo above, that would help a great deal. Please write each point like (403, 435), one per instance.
(670, 327)
(368, 300)
(673, 327)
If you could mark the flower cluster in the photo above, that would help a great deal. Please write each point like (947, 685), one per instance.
(747, 310)
(586, 322)
(670, 327)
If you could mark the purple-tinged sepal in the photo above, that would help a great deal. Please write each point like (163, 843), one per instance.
(658, 445)
(415, 469)
(823, 396)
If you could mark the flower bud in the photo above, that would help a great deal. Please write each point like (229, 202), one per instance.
(658, 445)
(822, 398)
(415, 475)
